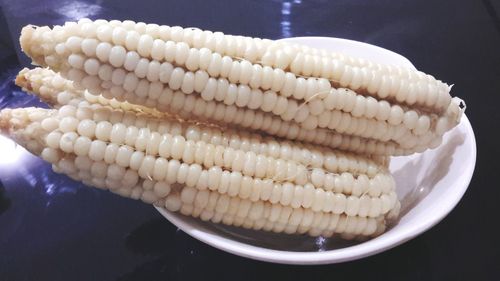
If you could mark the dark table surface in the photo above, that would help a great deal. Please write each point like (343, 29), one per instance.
(52, 228)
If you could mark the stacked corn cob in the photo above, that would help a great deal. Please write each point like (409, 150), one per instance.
(243, 131)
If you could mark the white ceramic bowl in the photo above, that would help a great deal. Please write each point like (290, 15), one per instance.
(429, 186)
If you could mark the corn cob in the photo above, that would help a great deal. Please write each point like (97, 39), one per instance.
(85, 155)
(49, 87)
(377, 79)
(45, 84)
(154, 155)
(144, 68)
(220, 208)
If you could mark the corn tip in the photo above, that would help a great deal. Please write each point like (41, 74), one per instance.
(25, 38)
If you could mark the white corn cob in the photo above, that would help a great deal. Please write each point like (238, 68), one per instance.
(377, 79)
(153, 155)
(147, 69)
(45, 84)
(269, 53)
(48, 85)
(61, 136)
(220, 208)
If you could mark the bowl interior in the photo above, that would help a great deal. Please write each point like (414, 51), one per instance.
(429, 185)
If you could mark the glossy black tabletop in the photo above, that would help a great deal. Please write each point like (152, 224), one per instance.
(52, 228)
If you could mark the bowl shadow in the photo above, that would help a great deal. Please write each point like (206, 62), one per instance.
(417, 178)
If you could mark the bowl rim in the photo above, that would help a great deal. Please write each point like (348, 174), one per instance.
(401, 58)
(367, 248)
